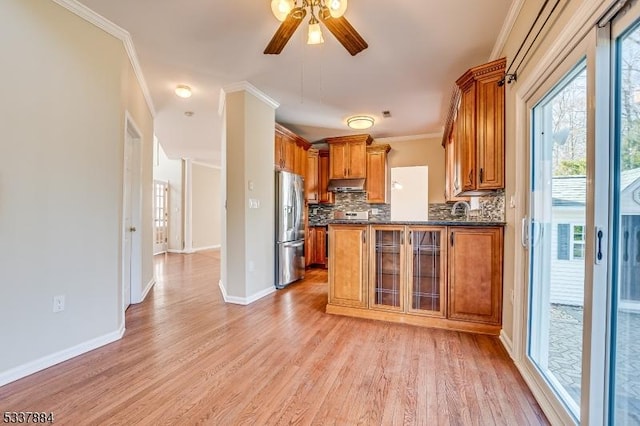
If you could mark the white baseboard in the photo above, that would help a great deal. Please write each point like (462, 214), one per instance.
(244, 300)
(147, 289)
(50, 360)
(214, 247)
(176, 251)
(507, 343)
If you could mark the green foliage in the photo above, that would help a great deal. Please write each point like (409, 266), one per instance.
(572, 168)
(630, 146)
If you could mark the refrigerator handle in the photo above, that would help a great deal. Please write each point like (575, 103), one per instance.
(293, 244)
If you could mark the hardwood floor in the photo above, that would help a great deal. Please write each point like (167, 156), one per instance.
(189, 358)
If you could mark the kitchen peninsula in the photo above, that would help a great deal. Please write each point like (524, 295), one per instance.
(443, 274)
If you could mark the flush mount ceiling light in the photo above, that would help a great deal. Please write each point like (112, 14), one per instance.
(360, 122)
(329, 12)
(183, 91)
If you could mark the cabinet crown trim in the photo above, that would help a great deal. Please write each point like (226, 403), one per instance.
(490, 69)
(367, 139)
(379, 147)
(300, 141)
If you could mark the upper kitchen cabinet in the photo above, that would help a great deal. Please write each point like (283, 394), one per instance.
(451, 182)
(478, 140)
(376, 184)
(290, 151)
(311, 189)
(324, 195)
(347, 156)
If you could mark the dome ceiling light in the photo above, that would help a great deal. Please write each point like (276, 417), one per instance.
(360, 122)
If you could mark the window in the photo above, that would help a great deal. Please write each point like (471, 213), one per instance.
(571, 241)
(578, 242)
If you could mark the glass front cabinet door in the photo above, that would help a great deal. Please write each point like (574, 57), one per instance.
(387, 273)
(426, 271)
(408, 272)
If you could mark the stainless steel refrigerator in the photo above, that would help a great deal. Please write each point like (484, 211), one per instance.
(289, 228)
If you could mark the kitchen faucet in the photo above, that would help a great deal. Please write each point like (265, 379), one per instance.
(465, 208)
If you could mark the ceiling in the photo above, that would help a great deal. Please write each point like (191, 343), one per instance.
(417, 49)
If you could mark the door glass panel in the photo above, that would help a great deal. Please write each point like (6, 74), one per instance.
(426, 271)
(626, 289)
(558, 235)
(388, 267)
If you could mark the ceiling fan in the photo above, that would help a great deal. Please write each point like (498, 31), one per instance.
(329, 12)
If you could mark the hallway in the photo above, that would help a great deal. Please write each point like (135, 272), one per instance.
(189, 358)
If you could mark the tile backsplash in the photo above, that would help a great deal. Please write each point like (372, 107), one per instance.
(491, 209)
(348, 201)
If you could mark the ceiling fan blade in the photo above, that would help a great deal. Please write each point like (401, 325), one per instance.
(344, 32)
(285, 31)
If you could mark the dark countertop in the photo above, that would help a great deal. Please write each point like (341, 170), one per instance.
(415, 223)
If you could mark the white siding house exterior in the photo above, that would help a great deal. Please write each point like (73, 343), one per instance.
(568, 209)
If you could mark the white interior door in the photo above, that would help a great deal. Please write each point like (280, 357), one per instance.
(127, 222)
(160, 216)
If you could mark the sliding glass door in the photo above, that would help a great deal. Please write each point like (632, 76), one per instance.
(557, 235)
(625, 321)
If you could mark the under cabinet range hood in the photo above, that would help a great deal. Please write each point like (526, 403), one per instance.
(346, 185)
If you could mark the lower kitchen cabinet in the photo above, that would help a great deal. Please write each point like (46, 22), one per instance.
(434, 276)
(475, 274)
(316, 246)
(348, 259)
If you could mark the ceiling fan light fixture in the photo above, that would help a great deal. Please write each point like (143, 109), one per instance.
(337, 8)
(360, 122)
(281, 8)
(183, 91)
(315, 33)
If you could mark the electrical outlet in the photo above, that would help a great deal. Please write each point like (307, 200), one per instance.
(58, 303)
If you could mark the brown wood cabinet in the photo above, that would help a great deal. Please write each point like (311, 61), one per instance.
(475, 274)
(347, 156)
(348, 259)
(452, 185)
(290, 151)
(408, 269)
(309, 246)
(376, 184)
(311, 188)
(434, 276)
(324, 196)
(478, 145)
(319, 255)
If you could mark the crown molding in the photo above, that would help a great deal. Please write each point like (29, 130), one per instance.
(409, 138)
(118, 32)
(248, 87)
(507, 26)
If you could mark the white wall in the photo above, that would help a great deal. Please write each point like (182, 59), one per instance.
(205, 206)
(61, 177)
(248, 240)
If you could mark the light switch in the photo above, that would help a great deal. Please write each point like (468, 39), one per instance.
(251, 186)
(512, 202)
(254, 203)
